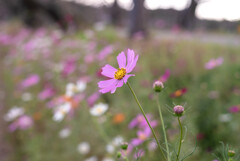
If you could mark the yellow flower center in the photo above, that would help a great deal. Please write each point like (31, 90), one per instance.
(99, 110)
(120, 73)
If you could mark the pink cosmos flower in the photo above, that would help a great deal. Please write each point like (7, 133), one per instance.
(93, 98)
(22, 123)
(105, 52)
(142, 135)
(30, 81)
(165, 76)
(46, 93)
(214, 63)
(120, 75)
(140, 122)
(234, 109)
(69, 67)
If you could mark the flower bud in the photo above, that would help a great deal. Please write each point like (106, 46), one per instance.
(119, 154)
(231, 153)
(158, 86)
(124, 146)
(178, 110)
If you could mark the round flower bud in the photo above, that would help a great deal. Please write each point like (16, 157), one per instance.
(178, 110)
(124, 146)
(231, 153)
(119, 154)
(158, 86)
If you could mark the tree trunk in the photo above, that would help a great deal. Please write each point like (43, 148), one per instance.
(187, 17)
(137, 19)
(115, 13)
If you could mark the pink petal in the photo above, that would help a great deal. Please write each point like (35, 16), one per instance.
(135, 142)
(106, 83)
(107, 87)
(113, 90)
(130, 57)
(130, 67)
(121, 58)
(126, 77)
(120, 83)
(106, 90)
(108, 71)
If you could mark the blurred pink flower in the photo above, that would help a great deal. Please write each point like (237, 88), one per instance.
(234, 109)
(105, 52)
(46, 93)
(142, 135)
(213, 63)
(5, 39)
(89, 58)
(140, 122)
(93, 98)
(165, 76)
(30, 81)
(22, 123)
(69, 67)
(120, 75)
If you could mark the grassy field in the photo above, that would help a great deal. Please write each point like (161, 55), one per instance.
(57, 59)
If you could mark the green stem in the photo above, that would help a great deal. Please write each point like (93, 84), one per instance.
(136, 99)
(180, 141)
(163, 127)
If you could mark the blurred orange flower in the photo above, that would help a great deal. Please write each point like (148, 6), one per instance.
(118, 118)
(178, 93)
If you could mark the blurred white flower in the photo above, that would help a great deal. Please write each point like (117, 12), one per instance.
(26, 97)
(225, 117)
(110, 148)
(64, 133)
(93, 158)
(117, 141)
(61, 111)
(99, 109)
(99, 26)
(72, 89)
(83, 148)
(152, 146)
(108, 159)
(14, 113)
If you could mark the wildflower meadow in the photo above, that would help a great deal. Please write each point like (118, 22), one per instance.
(96, 95)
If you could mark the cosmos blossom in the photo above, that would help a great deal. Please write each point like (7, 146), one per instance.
(120, 75)
(165, 76)
(178, 93)
(214, 63)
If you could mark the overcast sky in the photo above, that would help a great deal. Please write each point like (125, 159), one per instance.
(210, 9)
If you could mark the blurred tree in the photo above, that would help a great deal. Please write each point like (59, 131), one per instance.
(34, 7)
(137, 19)
(29, 11)
(115, 12)
(187, 16)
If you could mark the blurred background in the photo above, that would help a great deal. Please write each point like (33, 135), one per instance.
(52, 52)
